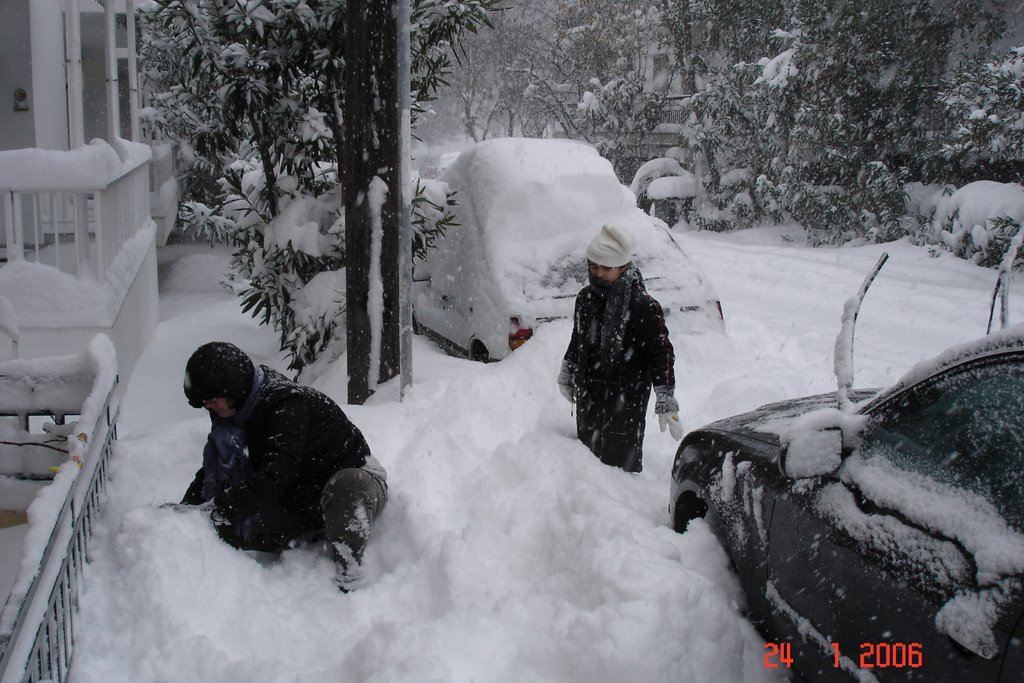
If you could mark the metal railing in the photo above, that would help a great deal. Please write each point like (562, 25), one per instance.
(37, 625)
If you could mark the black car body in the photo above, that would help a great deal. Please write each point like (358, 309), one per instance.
(883, 543)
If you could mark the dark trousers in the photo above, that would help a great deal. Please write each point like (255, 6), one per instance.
(610, 421)
(351, 501)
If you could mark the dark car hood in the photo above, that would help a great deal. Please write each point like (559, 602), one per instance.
(748, 424)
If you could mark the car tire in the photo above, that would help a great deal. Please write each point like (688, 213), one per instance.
(478, 352)
(689, 506)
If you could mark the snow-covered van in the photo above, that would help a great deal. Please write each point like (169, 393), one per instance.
(526, 210)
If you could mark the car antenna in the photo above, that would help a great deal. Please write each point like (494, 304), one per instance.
(1002, 288)
(844, 340)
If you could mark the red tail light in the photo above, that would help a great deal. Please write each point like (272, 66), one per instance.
(517, 332)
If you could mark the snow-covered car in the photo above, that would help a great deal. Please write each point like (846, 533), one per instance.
(884, 542)
(526, 210)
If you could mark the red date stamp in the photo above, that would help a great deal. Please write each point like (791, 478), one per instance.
(881, 655)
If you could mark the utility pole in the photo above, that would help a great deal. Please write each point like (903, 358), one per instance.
(377, 194)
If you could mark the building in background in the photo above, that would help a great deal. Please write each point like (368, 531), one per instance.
(84, 200)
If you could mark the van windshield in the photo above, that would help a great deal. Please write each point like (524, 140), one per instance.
(567, 273)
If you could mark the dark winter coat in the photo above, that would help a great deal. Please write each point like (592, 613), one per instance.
(297, 439)
(612, 391)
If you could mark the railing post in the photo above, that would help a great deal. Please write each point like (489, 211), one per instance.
(19, 223)
(54, 224)
(13, 227)
(98, 216)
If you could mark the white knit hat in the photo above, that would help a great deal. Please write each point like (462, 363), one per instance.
(611, 248)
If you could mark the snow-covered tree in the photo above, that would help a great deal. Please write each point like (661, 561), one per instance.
(824, 107)
(623, 101)
(578, 68)
(986, 103)
(253, 92)
(485, 90)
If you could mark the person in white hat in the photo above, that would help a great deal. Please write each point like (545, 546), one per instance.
(619, 349)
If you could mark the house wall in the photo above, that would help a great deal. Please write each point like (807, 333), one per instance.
(17, 129)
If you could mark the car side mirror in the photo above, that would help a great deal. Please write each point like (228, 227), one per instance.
(812, 453)
(963, 619)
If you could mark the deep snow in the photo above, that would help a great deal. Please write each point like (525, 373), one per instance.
(507, 552)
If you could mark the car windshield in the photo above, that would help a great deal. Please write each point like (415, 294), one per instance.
(963, 429)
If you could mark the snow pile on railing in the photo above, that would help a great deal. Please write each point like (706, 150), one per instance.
(88, 167)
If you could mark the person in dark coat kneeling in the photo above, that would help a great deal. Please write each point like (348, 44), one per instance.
(619, 349)
(282, 463)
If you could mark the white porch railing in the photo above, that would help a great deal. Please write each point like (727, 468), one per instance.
(78, 249)
(72, 210)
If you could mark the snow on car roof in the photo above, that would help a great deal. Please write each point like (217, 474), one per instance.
(536, 203)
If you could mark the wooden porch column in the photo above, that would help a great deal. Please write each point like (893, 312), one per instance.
(133, 72)
(73, 54)
(113, 99)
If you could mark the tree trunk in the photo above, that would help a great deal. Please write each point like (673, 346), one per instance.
(375, 125)
(360, 93)
(679, 19)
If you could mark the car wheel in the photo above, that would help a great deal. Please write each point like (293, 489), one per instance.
(478, 352)
(689, 506)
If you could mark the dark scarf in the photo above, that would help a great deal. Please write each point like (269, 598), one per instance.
(225, 458)
(617, 296)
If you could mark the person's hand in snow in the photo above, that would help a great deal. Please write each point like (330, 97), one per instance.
(667, 409)
(565, 383)
(186, 507)
(218, 518)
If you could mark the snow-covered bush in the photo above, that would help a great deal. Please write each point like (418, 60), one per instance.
(666, 186)
(732, 205)
(978, 221)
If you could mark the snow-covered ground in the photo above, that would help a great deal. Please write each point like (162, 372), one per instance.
(507, 552)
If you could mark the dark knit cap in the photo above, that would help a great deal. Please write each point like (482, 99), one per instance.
(218, 370)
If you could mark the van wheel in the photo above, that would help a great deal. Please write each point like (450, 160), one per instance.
(478, 352)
